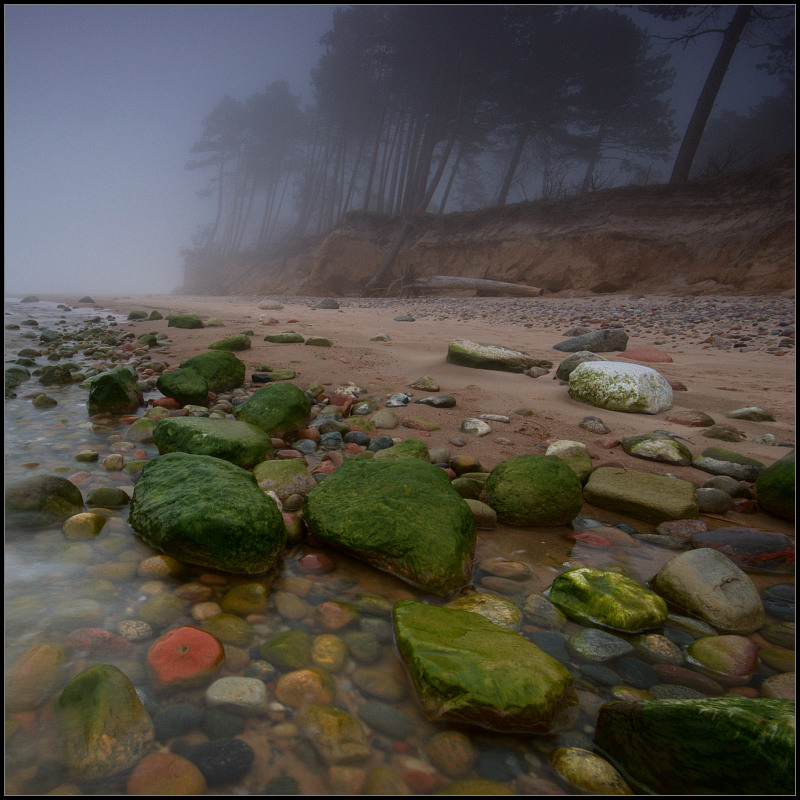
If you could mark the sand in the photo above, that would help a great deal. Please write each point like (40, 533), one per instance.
(718, 380)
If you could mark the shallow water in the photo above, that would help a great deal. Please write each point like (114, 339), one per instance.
(54, 587)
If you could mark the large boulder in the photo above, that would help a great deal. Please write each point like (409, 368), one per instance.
(775, 488)
(203, 510)
(102, 724)
(41, 500)
(620, 387)
(605, 340)
(716, 745)
(239, 341)
(654, 498)
(706, 584)
(491, 356)
(658, 447)
(468, 670)
(607, 600)
(533, 490)
(114, 392)
(276, 408)
(399, 515)
(187, 386)
(184, 321)
(221, 369)
(240, 443)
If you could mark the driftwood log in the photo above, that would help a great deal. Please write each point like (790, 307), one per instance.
(483, 286)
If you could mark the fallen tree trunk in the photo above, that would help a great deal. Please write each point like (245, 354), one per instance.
(484, 286)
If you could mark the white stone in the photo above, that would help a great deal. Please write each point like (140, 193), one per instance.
(246, 696)
(477, 427)
(618, 386)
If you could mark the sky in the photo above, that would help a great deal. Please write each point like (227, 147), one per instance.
(103, 102)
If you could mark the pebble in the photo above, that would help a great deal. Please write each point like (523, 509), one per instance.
(221, 760)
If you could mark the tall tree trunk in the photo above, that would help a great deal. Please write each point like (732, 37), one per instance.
(434, 183)
(451, 180)
(594, 157)
(697, 124)
(508, 179)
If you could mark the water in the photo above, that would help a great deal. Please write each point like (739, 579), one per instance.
(55, 587)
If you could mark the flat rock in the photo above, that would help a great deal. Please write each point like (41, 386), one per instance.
(605, 340)
(481, 355)
(751, 549)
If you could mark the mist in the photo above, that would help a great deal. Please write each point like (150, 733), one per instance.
(104, 103)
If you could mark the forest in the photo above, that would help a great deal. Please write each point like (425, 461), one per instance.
(447, 108)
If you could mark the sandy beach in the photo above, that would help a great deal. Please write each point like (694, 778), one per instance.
(729, 353)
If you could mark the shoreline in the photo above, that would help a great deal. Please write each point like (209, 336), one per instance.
(717, 379)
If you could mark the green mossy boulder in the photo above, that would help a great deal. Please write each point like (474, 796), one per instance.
(715, 745)
(467, 670)
(287, 337)
(607, 600)
(408, 448)
(480, 355)
(238, 341)
(203, 510)
(276, 408)
(187, 386)
(240, 443)
(41, 500)
(533, 490)
(114, 392)
(654, 498)
(399, 515)
(55, 375)
(137, 314)
(102, 724)
(285, 477)
(221, 369)
(184, 321)
(775, 488)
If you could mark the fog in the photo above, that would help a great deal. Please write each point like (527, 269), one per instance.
(102, 105)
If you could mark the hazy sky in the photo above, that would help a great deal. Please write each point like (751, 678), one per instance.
(102, 104)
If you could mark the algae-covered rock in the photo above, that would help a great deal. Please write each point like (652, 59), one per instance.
(276, 408)
(287, 337)
(102, 723)
(575, 455)
(285, 477)
(187, 386)
(467, 670)
(775, 488)
(399, 515)
(221, 369)
(719, 461)
(240, 443)
(409, 448)
(657, 447)
(184, 321)
(716, 745)
(336, 735)
(203, 510)
(654, 498)
(41, 500)
(608, 600)
(604, 340)
(620, 387)
(114, 392)
(533, 490)
(239, 341)
(481, 355)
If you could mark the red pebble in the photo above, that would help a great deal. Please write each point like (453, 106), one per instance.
(166, 402)
(79, 477)
(744, 505)
(591, 539)
(422, 782)
(315, 562)
(607, 443)
(184, 657)
(128, 419)
(99, 640)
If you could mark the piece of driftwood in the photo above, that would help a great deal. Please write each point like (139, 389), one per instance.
(484, 286)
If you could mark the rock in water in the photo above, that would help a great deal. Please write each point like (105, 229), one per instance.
(607, 600)
(240, 443)
(716, 745)
(203, 510)
(620, 387)
(751, 549)
(114, 392)
(102, 723)
(400, 515)
(41, 500)
(491, 356)
(467, 670)
(708, 585)
(533, 490)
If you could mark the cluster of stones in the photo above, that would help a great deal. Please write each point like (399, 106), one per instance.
(214, 497)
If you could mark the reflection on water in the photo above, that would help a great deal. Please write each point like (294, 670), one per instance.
(56, 589)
